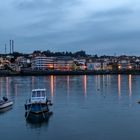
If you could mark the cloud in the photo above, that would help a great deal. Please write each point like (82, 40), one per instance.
(71, 25)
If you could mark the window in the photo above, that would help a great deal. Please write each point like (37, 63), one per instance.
(33, 94)
(38, 93)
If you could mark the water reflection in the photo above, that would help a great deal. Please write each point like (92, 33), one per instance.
(36, 121)
(7, 86)
(85, 85)
(1, 89)
(103, 83)
(68, 85)
(119, 85)
(67, 112)
(52, 85)
(130, 85)
(33, 82)
(16, 89)
(98, 82)
(4, 110)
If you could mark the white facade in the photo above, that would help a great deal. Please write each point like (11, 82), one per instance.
(39, 63)
(80, 61)
(44, 63)
(22, 61)
(94, 66)
(63, 64)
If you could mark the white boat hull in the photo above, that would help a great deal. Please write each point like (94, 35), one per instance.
(6, 104)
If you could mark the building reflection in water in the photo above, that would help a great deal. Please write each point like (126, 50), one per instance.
(7, 86)
(98, 82)
(130, 85)
(33, 82)
(16, 89)
(85, 85)
(1, 91)
(119, 85)
(68, 85)
(52, 85)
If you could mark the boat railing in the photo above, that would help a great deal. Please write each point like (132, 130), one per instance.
(49, 102)
(28, 101)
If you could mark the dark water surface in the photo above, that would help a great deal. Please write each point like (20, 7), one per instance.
(85, 108)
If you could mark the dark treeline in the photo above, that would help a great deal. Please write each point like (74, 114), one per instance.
(81, 54)
(75, 54)
(49, 54)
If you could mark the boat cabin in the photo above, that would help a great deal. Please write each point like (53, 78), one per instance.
(38, 96)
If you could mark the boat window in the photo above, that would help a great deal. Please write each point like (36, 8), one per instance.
(33, 94)
(38, 94)
(43, 93)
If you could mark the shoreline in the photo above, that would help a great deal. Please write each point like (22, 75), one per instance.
(61, 73)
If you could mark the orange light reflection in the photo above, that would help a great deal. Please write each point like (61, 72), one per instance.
(52, 85)
(130, 85)
(119, 85)
(85, 85)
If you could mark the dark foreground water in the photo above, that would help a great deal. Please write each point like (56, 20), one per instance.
(85, 108)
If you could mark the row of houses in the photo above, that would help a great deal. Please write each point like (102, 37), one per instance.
(69, 63)
(42, 62)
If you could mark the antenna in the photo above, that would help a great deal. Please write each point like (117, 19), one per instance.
(12, 46)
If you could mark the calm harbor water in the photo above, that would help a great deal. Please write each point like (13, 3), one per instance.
(85, 107)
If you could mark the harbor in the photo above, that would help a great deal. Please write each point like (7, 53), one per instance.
(69, 70)
(67, 73)
(44, 63)
(84, 107)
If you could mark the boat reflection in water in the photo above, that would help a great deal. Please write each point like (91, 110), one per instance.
(4, 110)
(38, 118)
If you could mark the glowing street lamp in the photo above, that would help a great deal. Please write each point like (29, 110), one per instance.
(130, 67)
(119, 67)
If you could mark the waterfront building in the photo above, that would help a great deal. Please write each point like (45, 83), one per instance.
(104, 65)
(3, 63)
(80, 64)
(63, 63)
(94, 66)
(39, 63)
(52, 63)
(23, 62)
(125, 65)
(110, 66)
(14, 67)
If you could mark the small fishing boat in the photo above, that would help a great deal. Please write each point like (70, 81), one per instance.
(38, 104)
(5, 102)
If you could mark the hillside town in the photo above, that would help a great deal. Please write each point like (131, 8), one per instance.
(42, 62)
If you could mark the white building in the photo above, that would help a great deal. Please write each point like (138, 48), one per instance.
(22, 61)
(39, 63)
(63, 63)
(56, 63)
(94, 66)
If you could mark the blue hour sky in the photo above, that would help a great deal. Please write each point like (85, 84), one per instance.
(96, 26)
